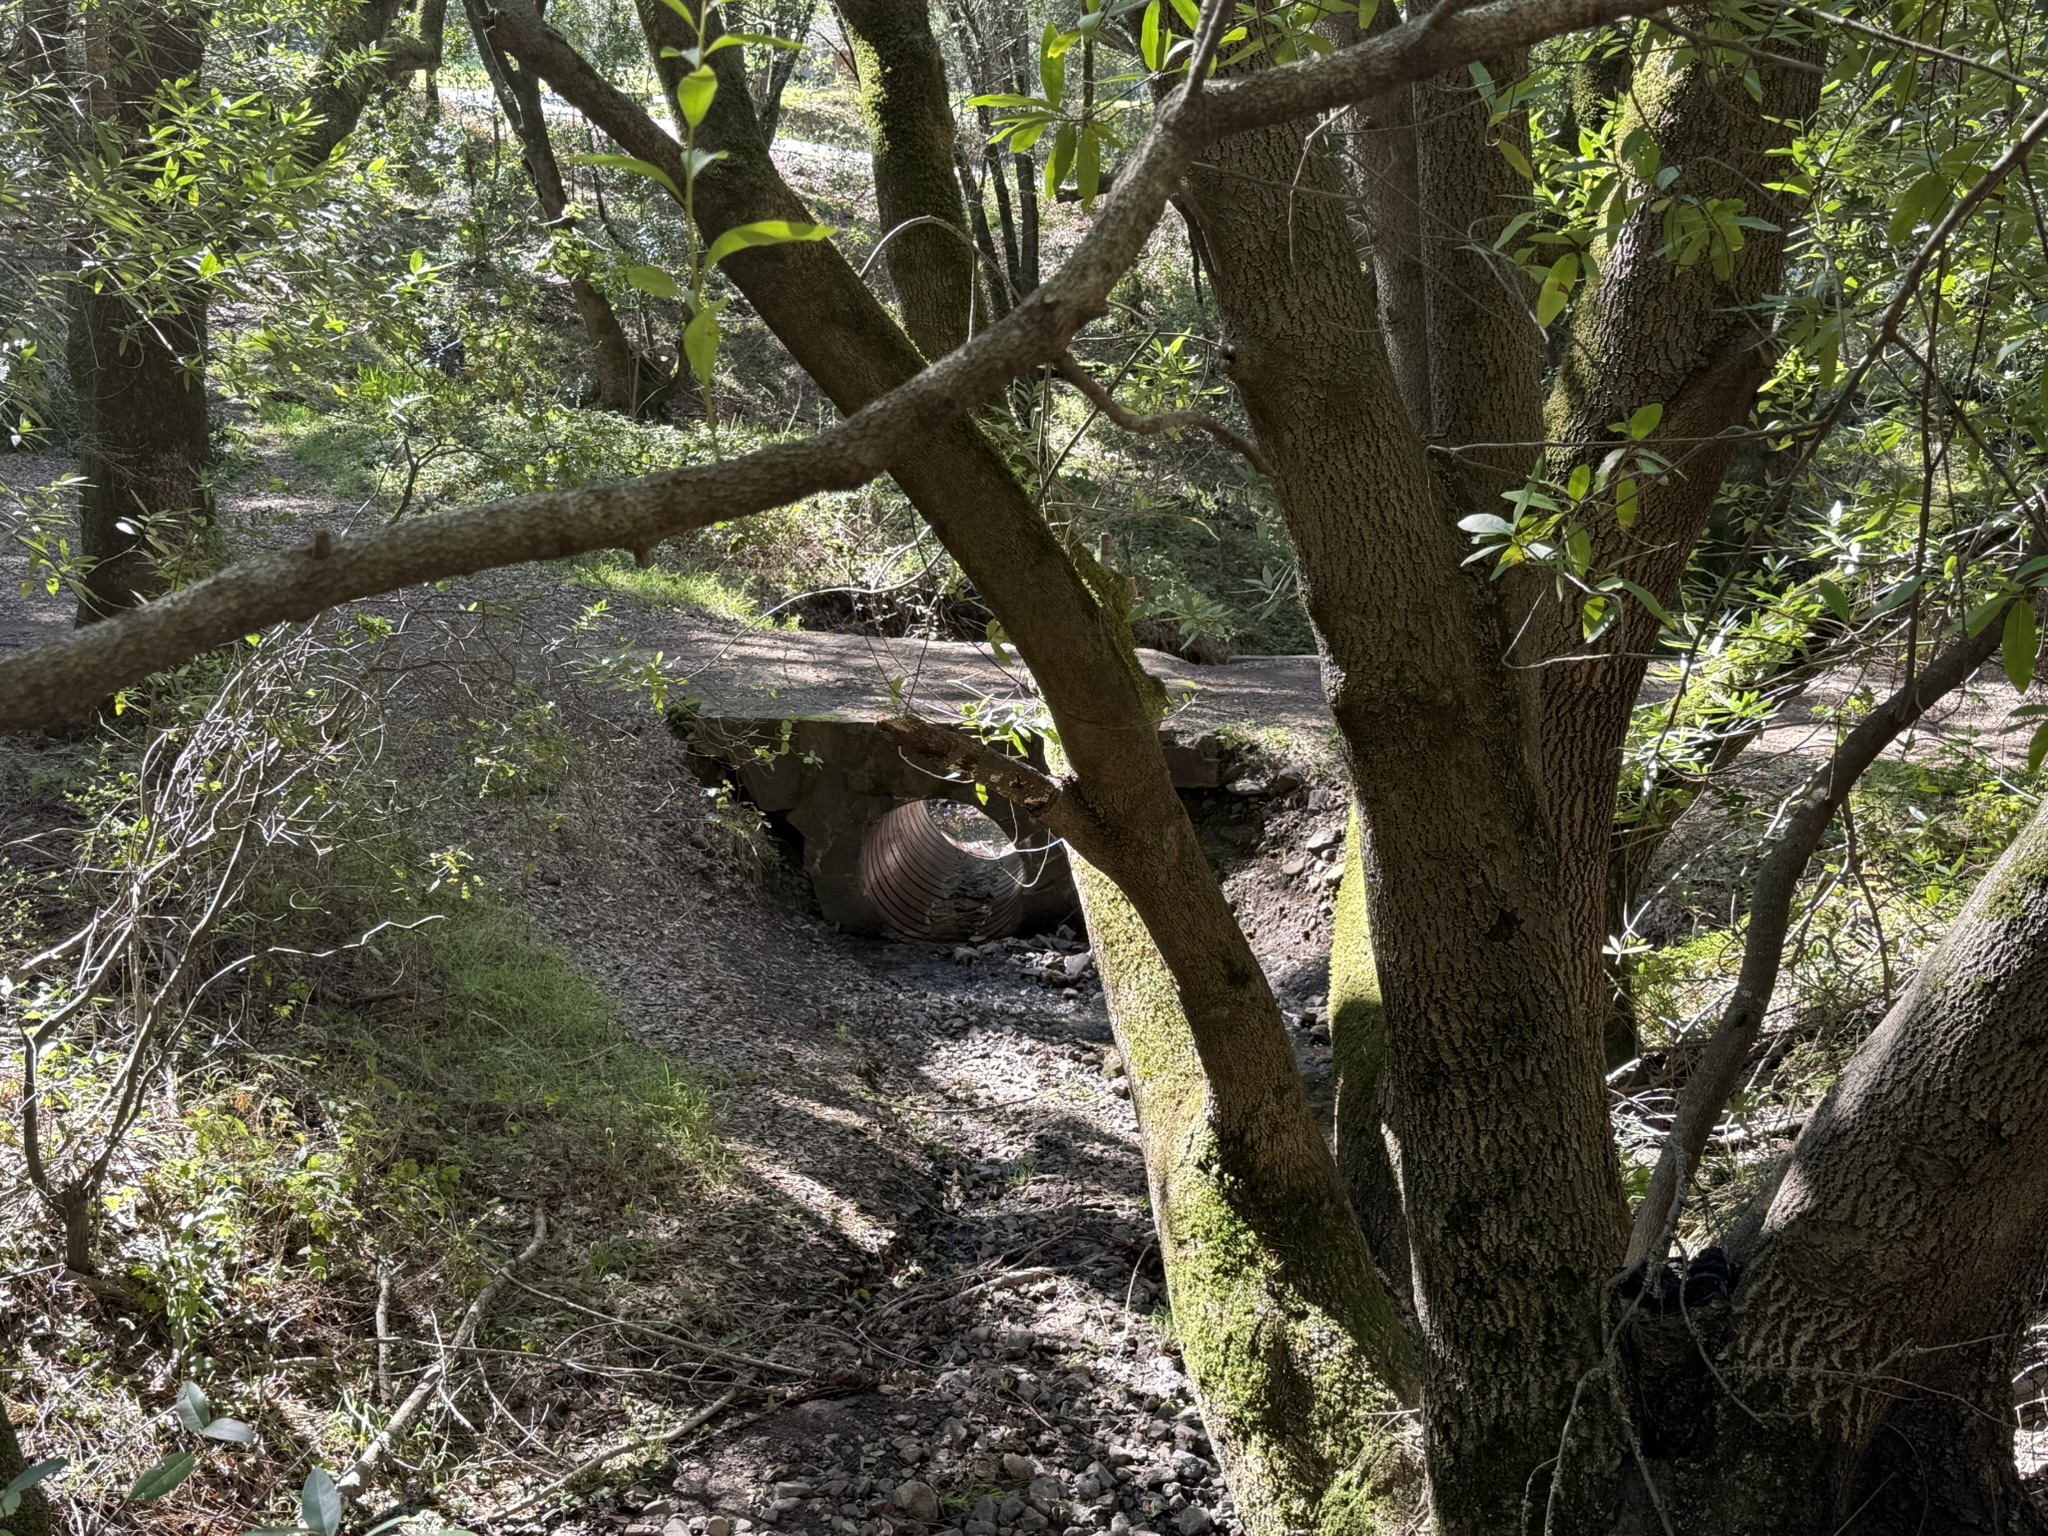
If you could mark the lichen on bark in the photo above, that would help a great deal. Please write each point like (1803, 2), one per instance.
(1309, 1435)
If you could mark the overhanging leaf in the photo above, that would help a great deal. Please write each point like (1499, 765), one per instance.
(746, 237)
(162, 1478)
(1836, 599)
(638, 167)
(320, 1503)
(700, 342)
(1557, 288)
(192, 1407)
(2020, 646)
(654, 282)
(695, 93)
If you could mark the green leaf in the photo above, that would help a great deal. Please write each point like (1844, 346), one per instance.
(1920, 199)
(1979, 618)
(1900, 595)
(1059, 160)
(653, 282)
(40, 1472)
(1189, 13)
(1151, 44)
(996, 636)
(2037, 748)
(1484, 523)
(757, 39)
(1836, 599)
(695, 93)
(320, 1503)
(1052, 70)
(1657, 610)
(1646, 420)
(1598, 617)
(1088, 166)
(1628, 502)
(163, 1477)
(637, 167)
(1580, 483)
(193, 1409)
(700, 341)
(1557, 288)
(232, 1431)
(2020, 646)
(747, 237)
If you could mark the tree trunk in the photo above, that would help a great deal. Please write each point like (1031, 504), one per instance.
(1310, 1437)
(910, 123)
(1490, 1055)
(1884, 1278)
(137, 360)
(142, 445)
(615, 366)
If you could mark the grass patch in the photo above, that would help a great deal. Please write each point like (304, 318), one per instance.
(662, 586)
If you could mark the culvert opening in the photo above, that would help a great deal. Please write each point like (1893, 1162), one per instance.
(941, 871)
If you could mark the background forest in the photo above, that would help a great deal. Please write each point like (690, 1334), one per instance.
(435, 1100)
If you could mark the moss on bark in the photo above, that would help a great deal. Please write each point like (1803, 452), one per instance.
(1309, 1437)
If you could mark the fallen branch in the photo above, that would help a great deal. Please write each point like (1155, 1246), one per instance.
(350, 1483)
(679, 1342)
(617, 1449)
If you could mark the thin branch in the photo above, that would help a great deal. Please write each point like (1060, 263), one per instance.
(1169, 422)
(1719, 1072)
(351, 1483)
(619, 1448)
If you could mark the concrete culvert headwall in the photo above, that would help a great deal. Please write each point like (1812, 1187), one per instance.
(939, 870)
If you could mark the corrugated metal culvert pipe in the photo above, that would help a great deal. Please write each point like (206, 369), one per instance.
(939, 870)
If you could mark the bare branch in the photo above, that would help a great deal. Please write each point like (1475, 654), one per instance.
(1714, 1080)
(945, 750)
(1165, 421)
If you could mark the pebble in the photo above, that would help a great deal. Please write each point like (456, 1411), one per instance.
(1194, 1521)
(1020, 1468)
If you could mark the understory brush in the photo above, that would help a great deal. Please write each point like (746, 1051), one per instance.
(306, 1131)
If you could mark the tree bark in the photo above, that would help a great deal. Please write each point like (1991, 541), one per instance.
(910, 124)
(137, 360)
(1886, 1277)
(1490, 1056)
(1288, 1362)
(35, 1517)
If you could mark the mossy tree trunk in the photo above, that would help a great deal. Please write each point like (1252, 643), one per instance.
(1290, 1377)
(903, 96)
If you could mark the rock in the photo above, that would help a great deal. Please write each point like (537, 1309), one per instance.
(1194, 1521)
(1321, 838)
(1045, 1492)
(1010, 1509)
(984, 1512)
(1189, 1468)
(718, 1525)
(1287, 780)
(1076, 966)
(920, 1501)
(1294, 866)
(962, 955)
(677, 1526)
(793, 1489)
(1020, 1468)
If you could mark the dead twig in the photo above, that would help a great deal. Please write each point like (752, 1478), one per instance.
(619, 1448)
(350, 1483)
(656, 1334)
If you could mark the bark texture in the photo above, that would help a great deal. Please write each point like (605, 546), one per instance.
(137, 360)
(1490, 1056)
(1310, 1437)
(910, 124)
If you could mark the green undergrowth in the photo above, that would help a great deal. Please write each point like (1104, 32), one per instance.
(409, 1072)
(664, 586)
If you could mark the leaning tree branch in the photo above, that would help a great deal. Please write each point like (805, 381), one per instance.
(1171, 422)
(1051, 803)
(68, 678)
(1714, 1081)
